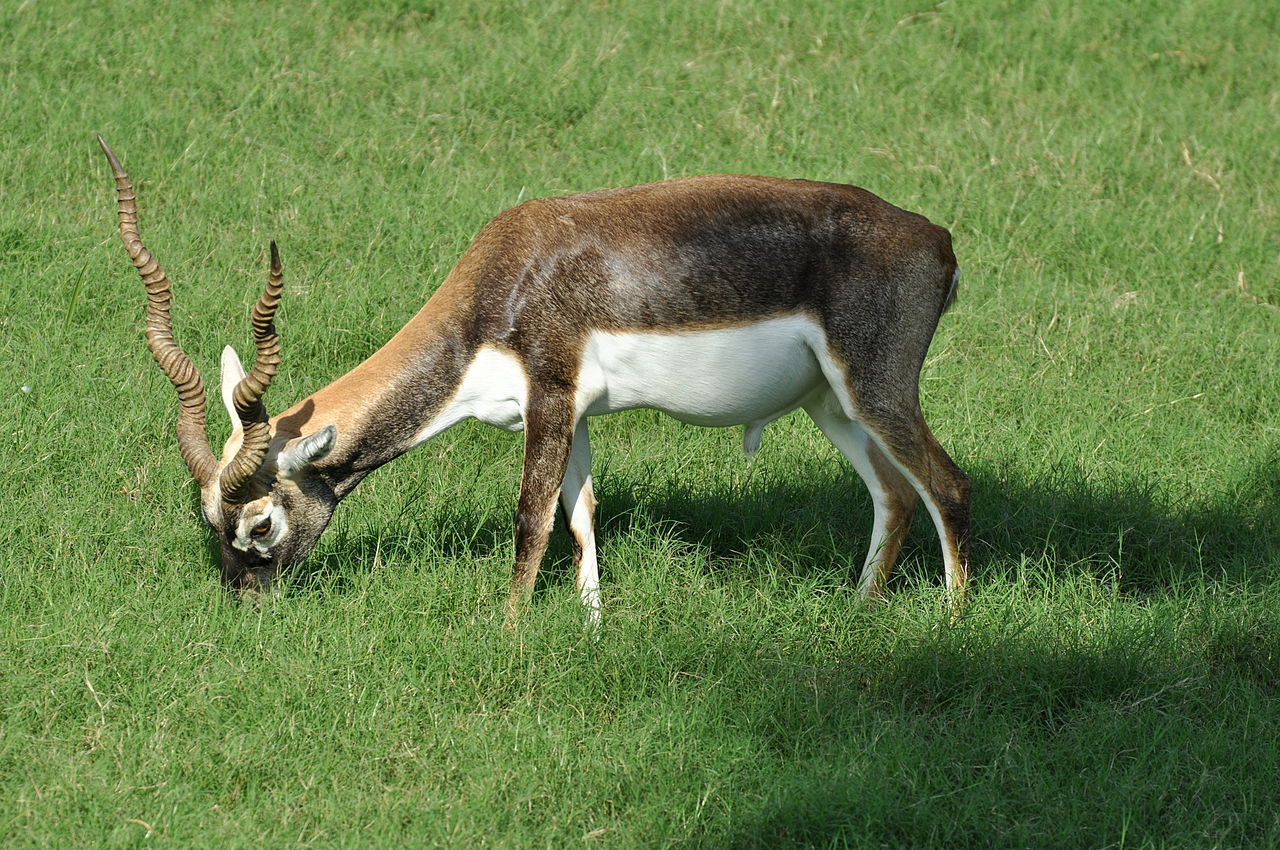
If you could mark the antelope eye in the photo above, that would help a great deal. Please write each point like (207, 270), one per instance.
(261, 528)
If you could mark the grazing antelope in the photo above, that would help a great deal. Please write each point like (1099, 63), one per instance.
(724, 300)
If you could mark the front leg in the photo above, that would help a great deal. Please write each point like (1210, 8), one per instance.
(548, 429)
(579, 503)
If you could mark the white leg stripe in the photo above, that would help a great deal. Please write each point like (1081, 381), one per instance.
(852, 441)
(949, 560)
(579, 503)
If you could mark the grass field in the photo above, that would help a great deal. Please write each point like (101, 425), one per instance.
(1108, 378)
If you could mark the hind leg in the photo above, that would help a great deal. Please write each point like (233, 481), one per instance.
(895, 425)
(911, 447)
(893, 498)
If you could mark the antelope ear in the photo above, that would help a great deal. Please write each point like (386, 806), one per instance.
(232, 374)
(305, 451)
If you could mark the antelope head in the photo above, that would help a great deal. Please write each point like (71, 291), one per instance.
(263, 499)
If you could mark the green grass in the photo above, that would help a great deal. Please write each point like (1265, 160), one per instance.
(1108, 378)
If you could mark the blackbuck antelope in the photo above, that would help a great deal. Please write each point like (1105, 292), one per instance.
(725, 300)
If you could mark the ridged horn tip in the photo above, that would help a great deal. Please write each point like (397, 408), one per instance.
(275, 257)
(111, 157)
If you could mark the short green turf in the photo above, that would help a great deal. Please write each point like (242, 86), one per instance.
(1108, 378)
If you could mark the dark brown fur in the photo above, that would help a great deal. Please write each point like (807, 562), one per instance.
(676, 256)
(680, 255)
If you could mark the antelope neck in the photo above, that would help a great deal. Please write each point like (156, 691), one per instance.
(380, 406)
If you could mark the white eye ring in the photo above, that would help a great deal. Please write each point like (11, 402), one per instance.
(261, 529)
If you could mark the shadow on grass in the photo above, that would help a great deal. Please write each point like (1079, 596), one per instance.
(977, 738)
(1083, 732)
(1124, 530)
(1127, 531)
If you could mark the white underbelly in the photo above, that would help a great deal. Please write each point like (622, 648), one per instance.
(726, 376)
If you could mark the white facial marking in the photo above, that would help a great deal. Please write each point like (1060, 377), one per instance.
(255, 514)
